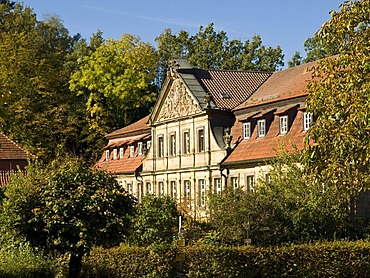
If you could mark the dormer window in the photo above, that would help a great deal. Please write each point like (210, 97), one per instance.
(261, 126)
(132, 151)
(115, 154)
(307, 120)
(121, 153)
(107, 155)
(140, 148)
(246, 130)
(283, 121)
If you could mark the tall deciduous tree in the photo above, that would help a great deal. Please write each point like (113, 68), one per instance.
(213, 50)
(34, 73)
(339, 154)
(117, 82)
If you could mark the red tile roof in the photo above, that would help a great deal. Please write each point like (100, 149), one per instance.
(230, 88)
(10, 150)
(260, 149)
(126, 164)
(137, 127)
(282, 85)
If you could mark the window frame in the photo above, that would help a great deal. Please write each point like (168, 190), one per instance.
(161, 188)
(246, 130)
(132, 150)
(250, 183)
(202, 192)
(121, 152)
(201, 140)
(173, 186)
(217, 186)
(307, 120)
(107, 154)
(160, 141)
(172, 143)
(187, 192)
(261, 131)
(139, 148)
(283, 124)
(234, 182)
(114, 154)
(186, 142)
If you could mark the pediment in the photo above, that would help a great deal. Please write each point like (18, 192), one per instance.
(178, 103)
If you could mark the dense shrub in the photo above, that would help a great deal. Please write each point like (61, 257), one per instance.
(124, 261)
(328, 259)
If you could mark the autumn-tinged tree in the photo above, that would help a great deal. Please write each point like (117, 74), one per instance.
(213, 50)
(116, 81)
(339, 98)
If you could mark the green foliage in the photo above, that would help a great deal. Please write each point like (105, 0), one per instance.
(155, 221)
(213, 50)
(132, 262)
(25, 262)
(116, 81)
(339, 98)
(296, 60)
(66, 207)
(324, 259)
(287, 208)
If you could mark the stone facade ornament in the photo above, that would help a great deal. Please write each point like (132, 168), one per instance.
(179, 103)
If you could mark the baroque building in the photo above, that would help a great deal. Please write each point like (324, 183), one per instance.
(210, 129)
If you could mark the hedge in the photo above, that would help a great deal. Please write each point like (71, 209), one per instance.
(335, 259)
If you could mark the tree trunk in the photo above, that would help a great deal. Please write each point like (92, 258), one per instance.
(75, 265)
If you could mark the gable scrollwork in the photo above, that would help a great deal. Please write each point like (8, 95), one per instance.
(179, 103)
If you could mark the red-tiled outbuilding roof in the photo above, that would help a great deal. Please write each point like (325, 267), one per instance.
(10, 150)
(136, 127)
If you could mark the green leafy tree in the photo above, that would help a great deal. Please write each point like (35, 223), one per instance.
(296, 60)
(34, 75)
(68, 209)
(339, 152)
(117, 82)
(213, 50)
(286, 208)
(155, 221)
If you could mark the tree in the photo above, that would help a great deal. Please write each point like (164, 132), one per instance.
(213, 50)
(339, 152)
(285, 208)
(318, 48)
(155, 221)
(34, 75)
(68, 209)
(116, 81)
(296, 60)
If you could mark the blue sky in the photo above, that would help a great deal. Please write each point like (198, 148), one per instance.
(287, 23)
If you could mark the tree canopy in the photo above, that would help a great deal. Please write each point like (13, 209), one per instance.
(339, 97)
(213, 50)
(116, 81)
(67, 208)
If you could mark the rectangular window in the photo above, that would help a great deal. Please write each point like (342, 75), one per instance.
(234, 182)
(160, 146)
(107, 155)
(132, 151)
(161, 188)
(120, 153)
(307, 120)
(218, 188)
(201, 143)
(115, 154)
(149, 188)
(267, 177)
(261, 125)
(250, 183)
(173, 144)
(187, 191)
(186, 142)
(148, 144)
(283, 121)
(173, 190)
(129, 188)
(202, 192)
(140, 148)
(246, 130)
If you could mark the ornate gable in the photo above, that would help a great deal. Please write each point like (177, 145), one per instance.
(178, 103)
